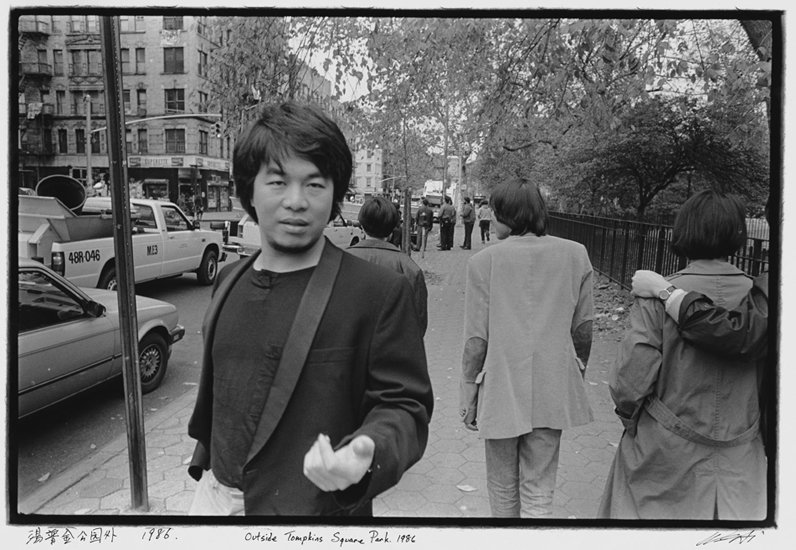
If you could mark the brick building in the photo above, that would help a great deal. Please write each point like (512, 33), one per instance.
(176, 147)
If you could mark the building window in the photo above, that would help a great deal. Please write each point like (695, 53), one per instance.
(203, 102)
(143, 144)
(368, 180)
(80, 141)
(127, 105)
(369, 166)
(140, 61)
(94, 62)
(172, 23)
(77, 66)
(63, 143)
(175, 141)
(92, 22)
(203, 142)
(58, 27)
(95, 143)
(125, 60)
(58, 62)
(173, 60)
(131, 24)
(60, 102)
(203, 63)
(128, 141)
(175, 100)
(141, 100)
(370, 154)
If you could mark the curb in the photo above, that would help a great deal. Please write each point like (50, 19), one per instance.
(72, 475)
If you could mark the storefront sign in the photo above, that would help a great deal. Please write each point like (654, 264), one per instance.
(167, 161)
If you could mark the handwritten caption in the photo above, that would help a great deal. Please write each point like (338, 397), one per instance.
(729, 538)
(298, 537)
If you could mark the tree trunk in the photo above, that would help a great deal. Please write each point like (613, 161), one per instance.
(759, 33)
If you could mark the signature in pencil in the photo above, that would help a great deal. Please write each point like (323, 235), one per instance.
(736, 536)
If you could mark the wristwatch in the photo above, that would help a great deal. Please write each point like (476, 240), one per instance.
(664, 294)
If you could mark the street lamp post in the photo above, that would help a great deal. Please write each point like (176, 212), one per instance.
(87, 101)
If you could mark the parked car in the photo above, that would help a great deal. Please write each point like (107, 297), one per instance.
(69, 338)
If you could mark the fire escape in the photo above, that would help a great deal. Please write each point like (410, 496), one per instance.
(35, 116)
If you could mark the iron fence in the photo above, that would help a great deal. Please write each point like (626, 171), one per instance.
(618, 248)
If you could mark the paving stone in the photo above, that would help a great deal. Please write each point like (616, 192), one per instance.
(439, 510)
(180, 503)
(599, 455)
(78, 504)
(421, 467)
(577, 489)
(590, 441)
(474, 506)
(163, 462)
(474, 454)
(118, 500)
(404, 501)
(165, 489)
(100, 488)
(445, 476)
(450, 446)
(412, 482)
(447, 460)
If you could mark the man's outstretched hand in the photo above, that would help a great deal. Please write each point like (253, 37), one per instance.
(332, 470)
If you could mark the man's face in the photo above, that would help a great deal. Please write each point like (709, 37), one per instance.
(293, 205)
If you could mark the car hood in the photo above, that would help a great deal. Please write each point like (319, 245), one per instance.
(109, 299)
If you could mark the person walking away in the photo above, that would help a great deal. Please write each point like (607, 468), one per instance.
(378, 218)
(527, 339)
(198, 206)
(314, 395)
(447, 220)
(692, 448)
(468, 219)
(484, 216)
(425, 224)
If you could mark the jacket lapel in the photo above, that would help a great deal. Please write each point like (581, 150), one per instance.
(294, 355)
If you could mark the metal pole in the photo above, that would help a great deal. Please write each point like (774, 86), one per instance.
(87, 102)
(123, 243)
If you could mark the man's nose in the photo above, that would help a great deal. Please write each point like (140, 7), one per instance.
(295, 196)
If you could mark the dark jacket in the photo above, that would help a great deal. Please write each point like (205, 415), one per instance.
(741, 332)
(388, 255)
(366, 374)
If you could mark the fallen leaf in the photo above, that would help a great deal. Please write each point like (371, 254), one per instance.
(468, 488)
(614, 317)
(189, 383)
(187, 460)
(93, 446)
(593, 383)
(44, 478)
(613, 444)
(83, 511)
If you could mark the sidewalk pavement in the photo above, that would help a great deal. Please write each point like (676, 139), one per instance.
(450, 479)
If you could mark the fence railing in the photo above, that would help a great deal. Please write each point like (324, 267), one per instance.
(618, 248)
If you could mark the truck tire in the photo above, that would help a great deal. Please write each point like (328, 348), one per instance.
(153, 358)
(208, 269)
(108, 280)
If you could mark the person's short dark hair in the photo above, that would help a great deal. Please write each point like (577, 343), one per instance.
(519, 204)
(448, 200)
(709, 225)
(291, 129)
(467, 200)
(378, 217)
(425, 201)
(484, 202)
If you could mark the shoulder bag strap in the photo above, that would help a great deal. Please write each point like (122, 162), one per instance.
(297, 348)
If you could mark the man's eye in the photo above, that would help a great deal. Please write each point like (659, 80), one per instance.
(275, 182)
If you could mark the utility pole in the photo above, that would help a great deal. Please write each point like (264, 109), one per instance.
(123, 243)
(87, 102)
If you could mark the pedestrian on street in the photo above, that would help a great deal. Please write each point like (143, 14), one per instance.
(484, 216)
(378, 218)
(447, 221)
(425, 224)
(527, 333)
(468, 219)
(198, 206)
(314, 395)
(692, 447)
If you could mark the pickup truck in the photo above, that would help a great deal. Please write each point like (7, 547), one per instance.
(246, 241)
(81, 248)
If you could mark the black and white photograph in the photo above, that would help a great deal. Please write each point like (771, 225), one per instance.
(430, 276)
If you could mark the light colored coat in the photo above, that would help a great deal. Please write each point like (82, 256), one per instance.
(692, 447)
(525, 296)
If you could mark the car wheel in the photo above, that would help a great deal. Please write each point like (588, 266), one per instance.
(208, 268)
(153, 358)
(108, 280)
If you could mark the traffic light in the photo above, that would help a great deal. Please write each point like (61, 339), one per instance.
(217, 129)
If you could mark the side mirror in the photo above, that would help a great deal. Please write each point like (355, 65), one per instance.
(95, 309)
(356, 223)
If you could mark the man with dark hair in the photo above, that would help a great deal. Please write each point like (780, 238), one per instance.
(425, 223)
(468, 219)
(314, 395)
(447, 221)
(379, 218)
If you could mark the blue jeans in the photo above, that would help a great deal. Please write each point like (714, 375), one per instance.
(521, 474)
